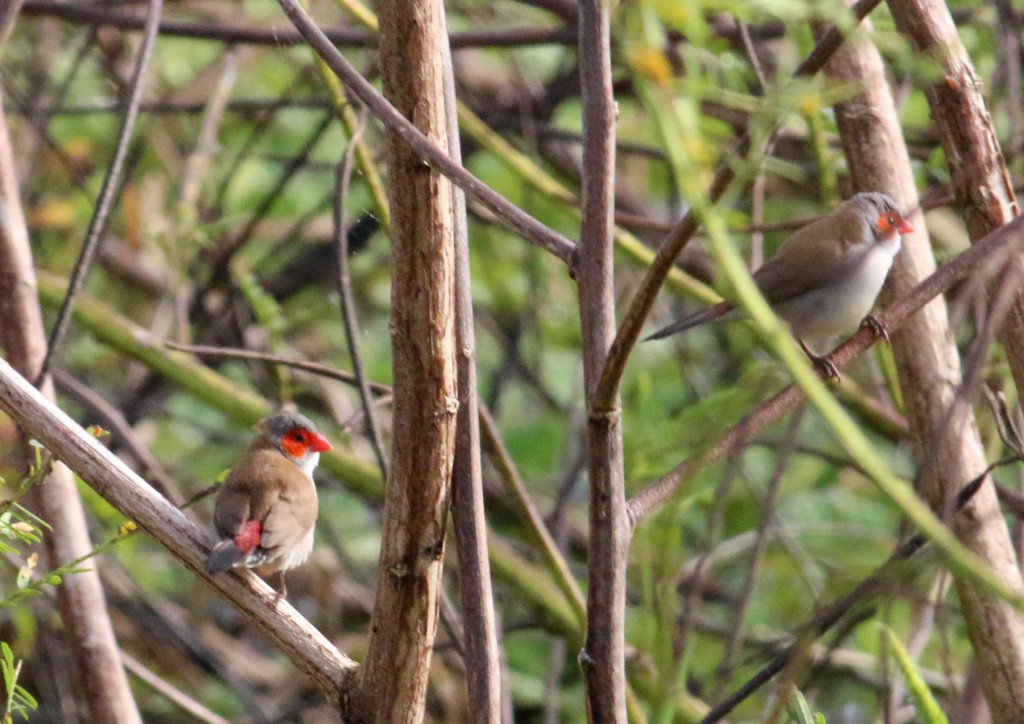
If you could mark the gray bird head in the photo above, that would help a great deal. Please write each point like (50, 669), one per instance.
(878, 214)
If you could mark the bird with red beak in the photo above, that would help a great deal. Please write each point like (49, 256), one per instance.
(267, 506)
(824, 278)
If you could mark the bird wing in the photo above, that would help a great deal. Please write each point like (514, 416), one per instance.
(293, 514)
(250, 489)
(775, 277)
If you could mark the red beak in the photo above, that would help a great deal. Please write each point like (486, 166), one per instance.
(904, 226)
(319, 444)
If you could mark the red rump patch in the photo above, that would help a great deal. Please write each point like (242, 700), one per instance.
(249, 537)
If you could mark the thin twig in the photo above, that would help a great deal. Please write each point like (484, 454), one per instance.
(640, 305)
(176, 696)
(831, 615)
(516, 218)
(111, 185)
(202, 350)
(347, 297)
(97, 14)
(761, 539)
(482, 652)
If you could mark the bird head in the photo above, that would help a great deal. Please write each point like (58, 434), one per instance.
(296, 437)
(881, 218)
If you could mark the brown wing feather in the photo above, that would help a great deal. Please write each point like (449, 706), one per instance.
(291, 519)
(775, 280)
(240, 498)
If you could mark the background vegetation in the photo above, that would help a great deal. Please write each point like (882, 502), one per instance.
(221, 234)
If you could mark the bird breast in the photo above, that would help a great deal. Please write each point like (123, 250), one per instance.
(839, 306)
(295, 555)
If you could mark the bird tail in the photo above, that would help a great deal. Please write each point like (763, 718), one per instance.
(224, 555)
(709, 314)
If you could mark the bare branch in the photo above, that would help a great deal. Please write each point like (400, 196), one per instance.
(483, 673)
(416, 499)
(111, 186)
(516, 218)
(92, 14)
(603, 655)
(307, 648)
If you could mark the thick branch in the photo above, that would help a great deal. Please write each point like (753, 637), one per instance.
(423, 352)
(981, 181)
(603, 657)
(947, 445)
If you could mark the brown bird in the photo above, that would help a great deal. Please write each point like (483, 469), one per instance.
(267, 505)
(824, 278)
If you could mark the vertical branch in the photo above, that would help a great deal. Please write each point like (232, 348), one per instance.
(980, 178)
(99, 673)
(926, 356)
(603, 655)
(483, 674)
(404, 623)
(347, 296)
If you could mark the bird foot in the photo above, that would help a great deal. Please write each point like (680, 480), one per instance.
(825, 366)
(282, 589)
(879, 330)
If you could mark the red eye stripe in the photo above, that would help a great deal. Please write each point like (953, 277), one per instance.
(889, 222)
(295, 443)
(299, 441)
(885, 223)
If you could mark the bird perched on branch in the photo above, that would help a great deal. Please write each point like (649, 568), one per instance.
(824, 278)
(267, 506)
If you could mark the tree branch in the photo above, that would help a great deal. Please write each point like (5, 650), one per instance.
(306, 647)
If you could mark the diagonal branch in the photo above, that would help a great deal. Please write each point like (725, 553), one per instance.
(295, 637)
(111, 185)
(424, 148)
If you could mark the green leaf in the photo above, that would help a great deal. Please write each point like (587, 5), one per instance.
(928, 709)
(798, 709)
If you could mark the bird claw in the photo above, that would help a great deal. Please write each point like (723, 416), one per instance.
(877, 328)
(825, 366)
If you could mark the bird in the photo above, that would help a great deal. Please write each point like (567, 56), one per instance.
(267, 505)
(825, 277)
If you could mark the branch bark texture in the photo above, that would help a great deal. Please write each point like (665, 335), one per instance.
(483, 672)
(99, 673)
(947, 445)
(603, 657)
(394, 684)
(981, 182)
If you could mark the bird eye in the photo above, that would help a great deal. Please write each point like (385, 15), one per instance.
(299, 436)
